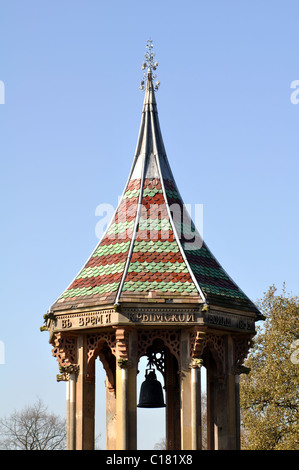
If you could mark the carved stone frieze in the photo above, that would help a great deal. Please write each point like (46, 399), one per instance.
(65, 349)
(122, 343)
(228, 320)
(242, 346)
(200, 339)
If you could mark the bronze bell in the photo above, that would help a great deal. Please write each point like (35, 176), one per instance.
(151, 394)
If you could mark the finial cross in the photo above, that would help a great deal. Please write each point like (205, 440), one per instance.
(150, 65)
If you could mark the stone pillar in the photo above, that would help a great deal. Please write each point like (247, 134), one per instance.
(126, 372)
(71, 412)
(185, 388)
(121, 407)
(223, 402)
(196, 405)
(221, 415)
(110, 419)
(85, 399)
(210, 408)
(216, 404)
(198, 339)
(173, 438)
(69, 376)
(233, 400)
(68, 447)
(238, 417)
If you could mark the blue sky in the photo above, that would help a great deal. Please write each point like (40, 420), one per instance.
(68, 131)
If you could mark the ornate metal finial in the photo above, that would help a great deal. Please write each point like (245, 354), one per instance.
(149, 65)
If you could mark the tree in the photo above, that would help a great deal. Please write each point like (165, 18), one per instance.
(270, 392)
(33, 428)
(161, 445)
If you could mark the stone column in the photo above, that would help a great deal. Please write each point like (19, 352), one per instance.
(216, 404)
(185, 388)
(196, 404)
(173, 438)
(237, 411)
(85, 399)
(121, 407)
(68, 447)
(69, 376)
(126, 415)
(198, 340)
(223, 406)
(210, 408)
(110, 419)
(71, 412)
(221, 415)
(233, 399)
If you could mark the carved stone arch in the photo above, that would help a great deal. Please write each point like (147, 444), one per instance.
(102, 345)
(157, 353)
(169, 337)
(215, 345)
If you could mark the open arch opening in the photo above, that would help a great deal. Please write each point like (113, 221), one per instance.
(105, 397)
(160, 427)
(151, 431)
(100, 406)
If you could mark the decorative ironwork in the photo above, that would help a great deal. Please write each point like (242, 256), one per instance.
(156, 358)
(149, 65)
(169, 337)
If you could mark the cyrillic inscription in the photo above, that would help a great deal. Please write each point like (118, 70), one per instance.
(84, 321)
(231, 321)
(218, 320)
(94, 320)
(161, 317)
(101, 318)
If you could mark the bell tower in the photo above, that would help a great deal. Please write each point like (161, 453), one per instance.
(152, 288)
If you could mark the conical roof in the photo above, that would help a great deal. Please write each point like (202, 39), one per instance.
(151, 249)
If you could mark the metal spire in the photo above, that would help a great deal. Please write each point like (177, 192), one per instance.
(150, 65)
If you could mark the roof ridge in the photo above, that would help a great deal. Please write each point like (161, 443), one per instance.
(175, 231)
(134, 231)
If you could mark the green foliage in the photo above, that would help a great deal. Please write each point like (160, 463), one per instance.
(270, 392)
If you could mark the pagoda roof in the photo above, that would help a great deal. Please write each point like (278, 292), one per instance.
(151, 250)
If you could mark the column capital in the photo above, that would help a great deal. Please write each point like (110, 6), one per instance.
(124, 363)
(66, 371)
(196, 363)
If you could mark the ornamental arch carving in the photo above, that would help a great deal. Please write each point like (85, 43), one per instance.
(170, 338)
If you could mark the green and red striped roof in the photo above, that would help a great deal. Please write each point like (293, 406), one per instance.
(146, 250)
